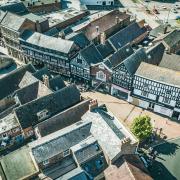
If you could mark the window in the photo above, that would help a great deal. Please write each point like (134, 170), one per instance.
(101, 76)
(79, 61)
(144, 93)
(66, 153)
(166, 100)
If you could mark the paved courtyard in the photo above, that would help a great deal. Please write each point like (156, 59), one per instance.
(126, 112)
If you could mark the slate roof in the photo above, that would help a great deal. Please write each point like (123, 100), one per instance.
(126, 35)
(9, 83)
(28, 93)
(105, 49)
(52, 32)
(79, 39)
(170, 61)
(56, 44)
(26, 34)
(59, 141)
(132, 62)
(119, 56)
(86, 149)
(32, 92)
(104, 129)
(39, 74)
(27, 79)
(56, 83)
(91, 55)
(127, 167)
(172, 38)
(17, 8)
(159, 74)
(53, 103)
(63, 119)
(155, 54)
(13, 21)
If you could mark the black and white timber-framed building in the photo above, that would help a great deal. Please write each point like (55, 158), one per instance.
(54, 53)
(123, 73)
(82, 62)
(158, 89)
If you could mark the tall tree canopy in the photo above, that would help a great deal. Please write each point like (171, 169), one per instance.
(142, 127)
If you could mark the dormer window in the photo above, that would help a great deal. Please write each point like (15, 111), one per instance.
(42, 114)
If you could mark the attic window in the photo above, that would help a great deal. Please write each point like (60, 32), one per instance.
(127, 50)
(42, 114)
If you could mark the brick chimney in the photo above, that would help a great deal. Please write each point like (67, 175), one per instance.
(93, 104)
(46, 80)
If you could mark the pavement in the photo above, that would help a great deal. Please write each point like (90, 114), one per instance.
(126, 112)
(139, 12)
(166, 165)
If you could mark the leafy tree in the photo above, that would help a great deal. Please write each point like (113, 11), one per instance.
(142, 127)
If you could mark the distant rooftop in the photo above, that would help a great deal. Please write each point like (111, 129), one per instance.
(60, 16)
(39, 2)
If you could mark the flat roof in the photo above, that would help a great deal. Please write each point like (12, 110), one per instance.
(18, 164)
(60, 16)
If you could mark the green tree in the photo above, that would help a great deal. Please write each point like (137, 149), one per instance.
(142, 127)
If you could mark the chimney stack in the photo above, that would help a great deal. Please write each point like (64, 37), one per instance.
(117, 19)
(97, 29)
(46, 80)
(62, 35)
(165, 29)
(93, 104)
(103, 38)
